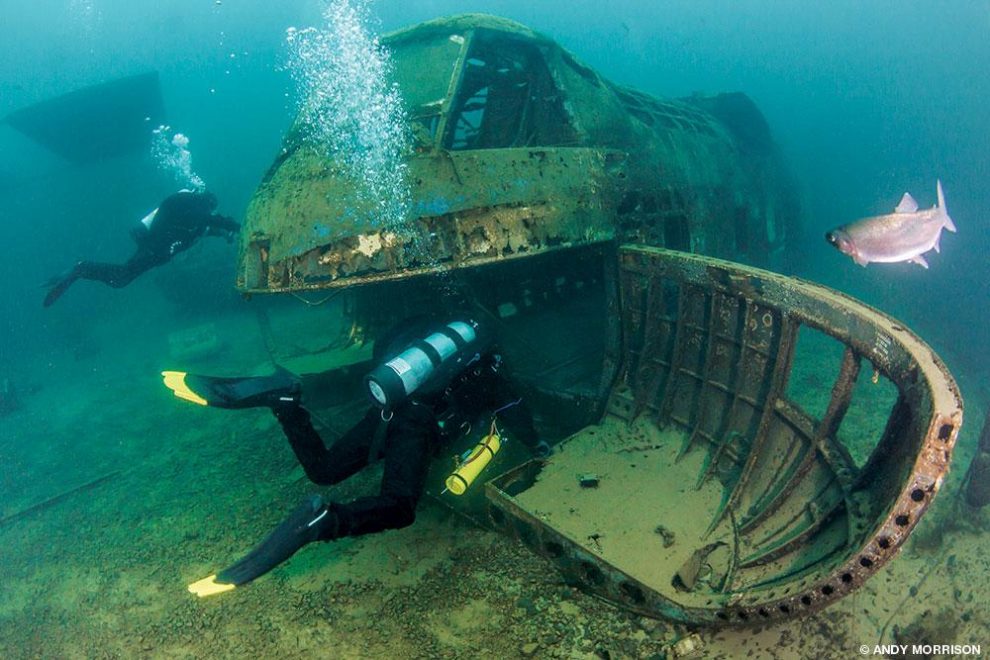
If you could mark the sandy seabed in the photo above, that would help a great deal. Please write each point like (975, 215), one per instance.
(102, 572)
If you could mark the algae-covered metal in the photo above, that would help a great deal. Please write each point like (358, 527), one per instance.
(735, 497)
(519, 150)
(719, 491)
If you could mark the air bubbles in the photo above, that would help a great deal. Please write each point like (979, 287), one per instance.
(350, 109)
(171, 152)
(87, 15)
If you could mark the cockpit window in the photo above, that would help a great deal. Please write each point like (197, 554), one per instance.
(423, 70)
(507, 98)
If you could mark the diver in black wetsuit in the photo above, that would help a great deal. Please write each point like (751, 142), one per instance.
(180, 220)
(406, 434)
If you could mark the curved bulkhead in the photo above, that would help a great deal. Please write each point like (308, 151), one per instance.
(723, 491)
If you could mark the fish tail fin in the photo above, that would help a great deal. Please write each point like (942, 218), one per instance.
(948, 224)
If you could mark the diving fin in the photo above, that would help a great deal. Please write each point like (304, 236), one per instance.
(209, 586)
(312, 520)
(280, 389)
(59, 285)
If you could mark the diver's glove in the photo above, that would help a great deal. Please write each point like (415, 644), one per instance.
(311, 521)
(228, 229)
(541, 450)
(231, 234)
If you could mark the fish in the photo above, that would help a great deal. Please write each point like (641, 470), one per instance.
(904, 235)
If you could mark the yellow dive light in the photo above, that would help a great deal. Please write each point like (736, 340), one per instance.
(476, 461)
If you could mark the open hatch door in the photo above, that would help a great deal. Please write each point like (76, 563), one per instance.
(768, 445)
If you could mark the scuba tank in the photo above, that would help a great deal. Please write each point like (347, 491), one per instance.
(474, 462)
(427, 365)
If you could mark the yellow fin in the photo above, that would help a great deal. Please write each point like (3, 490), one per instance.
(176, 381)
(209, 586)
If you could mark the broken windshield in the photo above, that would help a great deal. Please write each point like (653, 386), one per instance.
(423, 70)
(507, 98)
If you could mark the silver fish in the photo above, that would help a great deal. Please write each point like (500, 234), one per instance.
(903, 235)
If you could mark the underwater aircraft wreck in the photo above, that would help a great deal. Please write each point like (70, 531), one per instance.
(734, 445)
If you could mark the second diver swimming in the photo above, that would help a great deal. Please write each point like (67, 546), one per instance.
(178, 222)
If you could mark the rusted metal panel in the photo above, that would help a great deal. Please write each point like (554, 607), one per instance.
(472, 209)
(792, 522)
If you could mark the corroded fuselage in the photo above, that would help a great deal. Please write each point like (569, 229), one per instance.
(520, 150)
